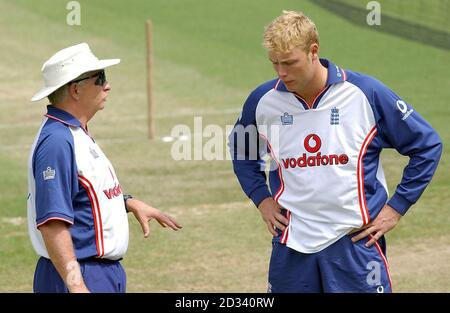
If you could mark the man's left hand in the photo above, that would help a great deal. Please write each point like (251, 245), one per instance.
(145, 213)
(384, 222)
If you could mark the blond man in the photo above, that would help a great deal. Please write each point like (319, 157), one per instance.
(327, 203)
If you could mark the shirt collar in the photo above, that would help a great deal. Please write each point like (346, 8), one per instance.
(62, 116)
(335, 75)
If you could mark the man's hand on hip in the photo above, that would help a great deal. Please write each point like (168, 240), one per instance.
(271, 215)
(384, 222)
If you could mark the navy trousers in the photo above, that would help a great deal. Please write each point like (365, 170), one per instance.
(99, 276)
(342, 267)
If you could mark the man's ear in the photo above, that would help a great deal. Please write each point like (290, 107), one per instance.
(74, 91)
(314, 50)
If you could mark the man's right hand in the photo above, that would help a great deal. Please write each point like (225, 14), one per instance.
(271, 215)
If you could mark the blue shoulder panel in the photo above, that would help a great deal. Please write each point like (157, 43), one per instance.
(400, 127)
(244, 142)
(54, 168)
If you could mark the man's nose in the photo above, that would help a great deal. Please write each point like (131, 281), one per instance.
(282, 72)
(107, 86)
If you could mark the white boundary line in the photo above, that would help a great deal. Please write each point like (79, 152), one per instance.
(108, 141)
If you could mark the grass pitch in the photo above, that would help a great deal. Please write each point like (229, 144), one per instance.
(208, 57)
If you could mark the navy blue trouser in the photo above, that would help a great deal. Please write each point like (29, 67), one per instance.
(99, 276)
(342, 267)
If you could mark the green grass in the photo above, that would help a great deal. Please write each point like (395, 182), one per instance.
(208, 57)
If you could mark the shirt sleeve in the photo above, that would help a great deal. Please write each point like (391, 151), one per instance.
(401, 127)
(55, 177)
(244, 144)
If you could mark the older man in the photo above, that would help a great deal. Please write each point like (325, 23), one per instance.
(76, 209)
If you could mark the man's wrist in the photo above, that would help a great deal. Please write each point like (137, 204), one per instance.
(265, 201)
(399, 203)
(260, 194)
(125, 199)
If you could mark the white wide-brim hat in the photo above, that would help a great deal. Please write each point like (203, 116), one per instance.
(66, 65)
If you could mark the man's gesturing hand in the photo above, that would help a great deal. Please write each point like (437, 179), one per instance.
(384, 222)
(271, 215)
(145, 213)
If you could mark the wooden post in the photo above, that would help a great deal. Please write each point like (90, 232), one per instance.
(151, 126)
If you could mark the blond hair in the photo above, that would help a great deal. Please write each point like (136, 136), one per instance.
(290, 30)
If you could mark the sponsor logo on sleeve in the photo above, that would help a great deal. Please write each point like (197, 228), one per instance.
(401, 105)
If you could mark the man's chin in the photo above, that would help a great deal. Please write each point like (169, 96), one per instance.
(289, 85)
(291, 89)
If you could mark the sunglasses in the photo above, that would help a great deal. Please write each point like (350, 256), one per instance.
(100, 81)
